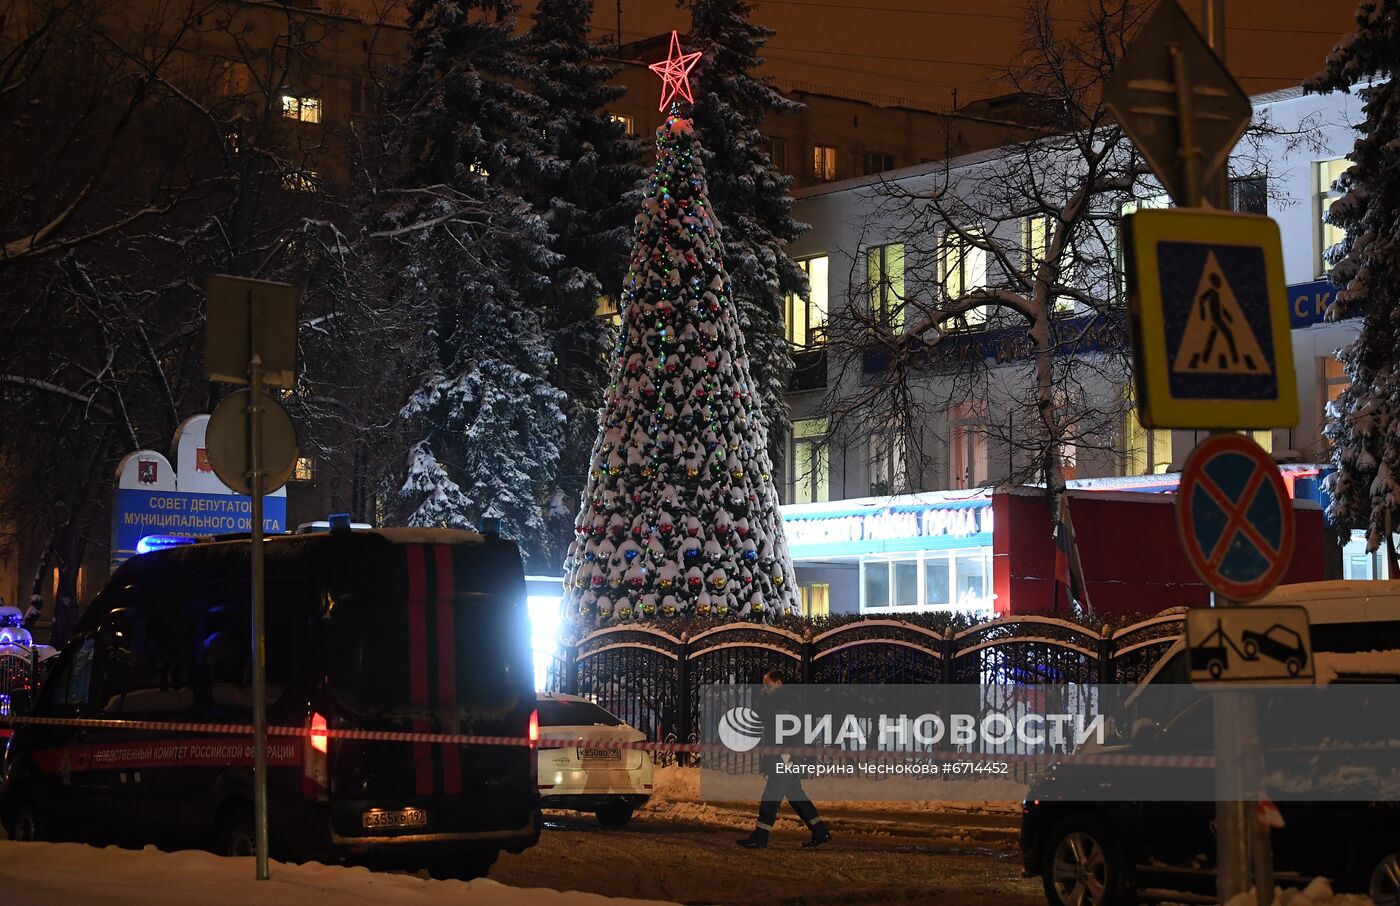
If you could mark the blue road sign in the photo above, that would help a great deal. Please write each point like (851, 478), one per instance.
(1209, 317)
(1235, 517)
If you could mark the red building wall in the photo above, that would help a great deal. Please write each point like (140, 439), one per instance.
(1133, 560)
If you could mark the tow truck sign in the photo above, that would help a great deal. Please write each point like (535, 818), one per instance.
(1249, 644)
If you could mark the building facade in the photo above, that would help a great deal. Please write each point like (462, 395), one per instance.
(855, 252)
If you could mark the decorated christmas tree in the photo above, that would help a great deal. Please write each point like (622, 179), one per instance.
(679, 514)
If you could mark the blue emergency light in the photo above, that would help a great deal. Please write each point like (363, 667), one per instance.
(161, 542)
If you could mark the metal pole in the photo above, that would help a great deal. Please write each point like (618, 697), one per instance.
(1213, 24)
(1262, 856)
(1217, 188)
(255, 476)
(1187, 153)
(1231, 812)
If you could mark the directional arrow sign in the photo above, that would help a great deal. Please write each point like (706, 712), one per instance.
(1177, 102)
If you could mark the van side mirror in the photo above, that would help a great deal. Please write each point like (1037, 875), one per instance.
(1145, 733)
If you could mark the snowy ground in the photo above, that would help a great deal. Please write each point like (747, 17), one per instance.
(61, 874)
(676, 850)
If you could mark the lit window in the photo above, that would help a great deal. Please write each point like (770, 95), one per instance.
(928, 581)
(967, 444)
(628, 124)
(1334, 380)
(608, 309)
(1146, 451)
(1264, 438)
(962, 268)
(305, 109)
(806, 318)
(885, 271)
(816, 599)
(1328, 172)
(887, 463)
(809, 482)
(301, 181)
(1035, 241)
(236, 80)
(824, 162)
(305, 469)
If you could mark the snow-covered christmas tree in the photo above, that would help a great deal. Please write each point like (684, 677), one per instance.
(680, 514)
(1362, 424)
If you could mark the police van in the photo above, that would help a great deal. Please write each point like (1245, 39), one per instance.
(418, 630)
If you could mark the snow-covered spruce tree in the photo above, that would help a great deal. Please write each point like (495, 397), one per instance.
(588, 193)
(460, 103)
(749, 192)
(680, 514)
(470, 254)
(1362, 424)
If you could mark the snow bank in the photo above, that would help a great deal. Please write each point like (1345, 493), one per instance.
(60, 874)
(1318, 893)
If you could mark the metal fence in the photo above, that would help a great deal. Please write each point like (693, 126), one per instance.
(22, 672)
(653, 679)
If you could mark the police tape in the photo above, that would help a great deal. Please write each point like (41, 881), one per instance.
(547, 742)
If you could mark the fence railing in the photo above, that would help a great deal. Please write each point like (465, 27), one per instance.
(653, 679)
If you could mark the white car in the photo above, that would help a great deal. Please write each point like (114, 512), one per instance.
(609, 782)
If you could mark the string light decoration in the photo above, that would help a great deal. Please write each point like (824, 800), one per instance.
(679, 514)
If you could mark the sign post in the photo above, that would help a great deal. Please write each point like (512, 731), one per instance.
(256, 322)
(1211, 344)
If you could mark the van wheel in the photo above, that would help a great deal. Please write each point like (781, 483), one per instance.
(1083, 865)
(22, 824)
(235, 835)
(613, 817)
(462, 866)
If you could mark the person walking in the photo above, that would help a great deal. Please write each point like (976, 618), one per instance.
(780, 786)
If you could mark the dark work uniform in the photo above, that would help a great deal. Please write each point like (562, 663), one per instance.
(780, 786)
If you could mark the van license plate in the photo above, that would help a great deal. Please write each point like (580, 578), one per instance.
(395, 817)
(600, 754)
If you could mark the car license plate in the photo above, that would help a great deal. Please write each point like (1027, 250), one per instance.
(590, 754)
(395, 817)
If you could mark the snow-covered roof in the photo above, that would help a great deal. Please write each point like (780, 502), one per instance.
(1341, 600)
(844, 507)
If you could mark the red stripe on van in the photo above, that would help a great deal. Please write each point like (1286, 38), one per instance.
(447, 665)
(418, 665)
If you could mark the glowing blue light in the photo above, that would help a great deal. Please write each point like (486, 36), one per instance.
(161, 542)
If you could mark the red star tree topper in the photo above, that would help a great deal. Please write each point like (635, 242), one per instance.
(675, 72)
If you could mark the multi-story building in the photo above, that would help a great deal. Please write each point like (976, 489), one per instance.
(876, 529)
(840, 135)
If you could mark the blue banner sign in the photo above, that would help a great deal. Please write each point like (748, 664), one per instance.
(144, 512)
(1076, 335)
(1307, 302)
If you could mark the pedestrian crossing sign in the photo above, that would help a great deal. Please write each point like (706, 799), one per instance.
(1209, 318)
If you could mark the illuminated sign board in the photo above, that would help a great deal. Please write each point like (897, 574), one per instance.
(900, 528)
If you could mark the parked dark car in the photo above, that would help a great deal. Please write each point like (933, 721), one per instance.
(1110, 851)
(400, 630)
